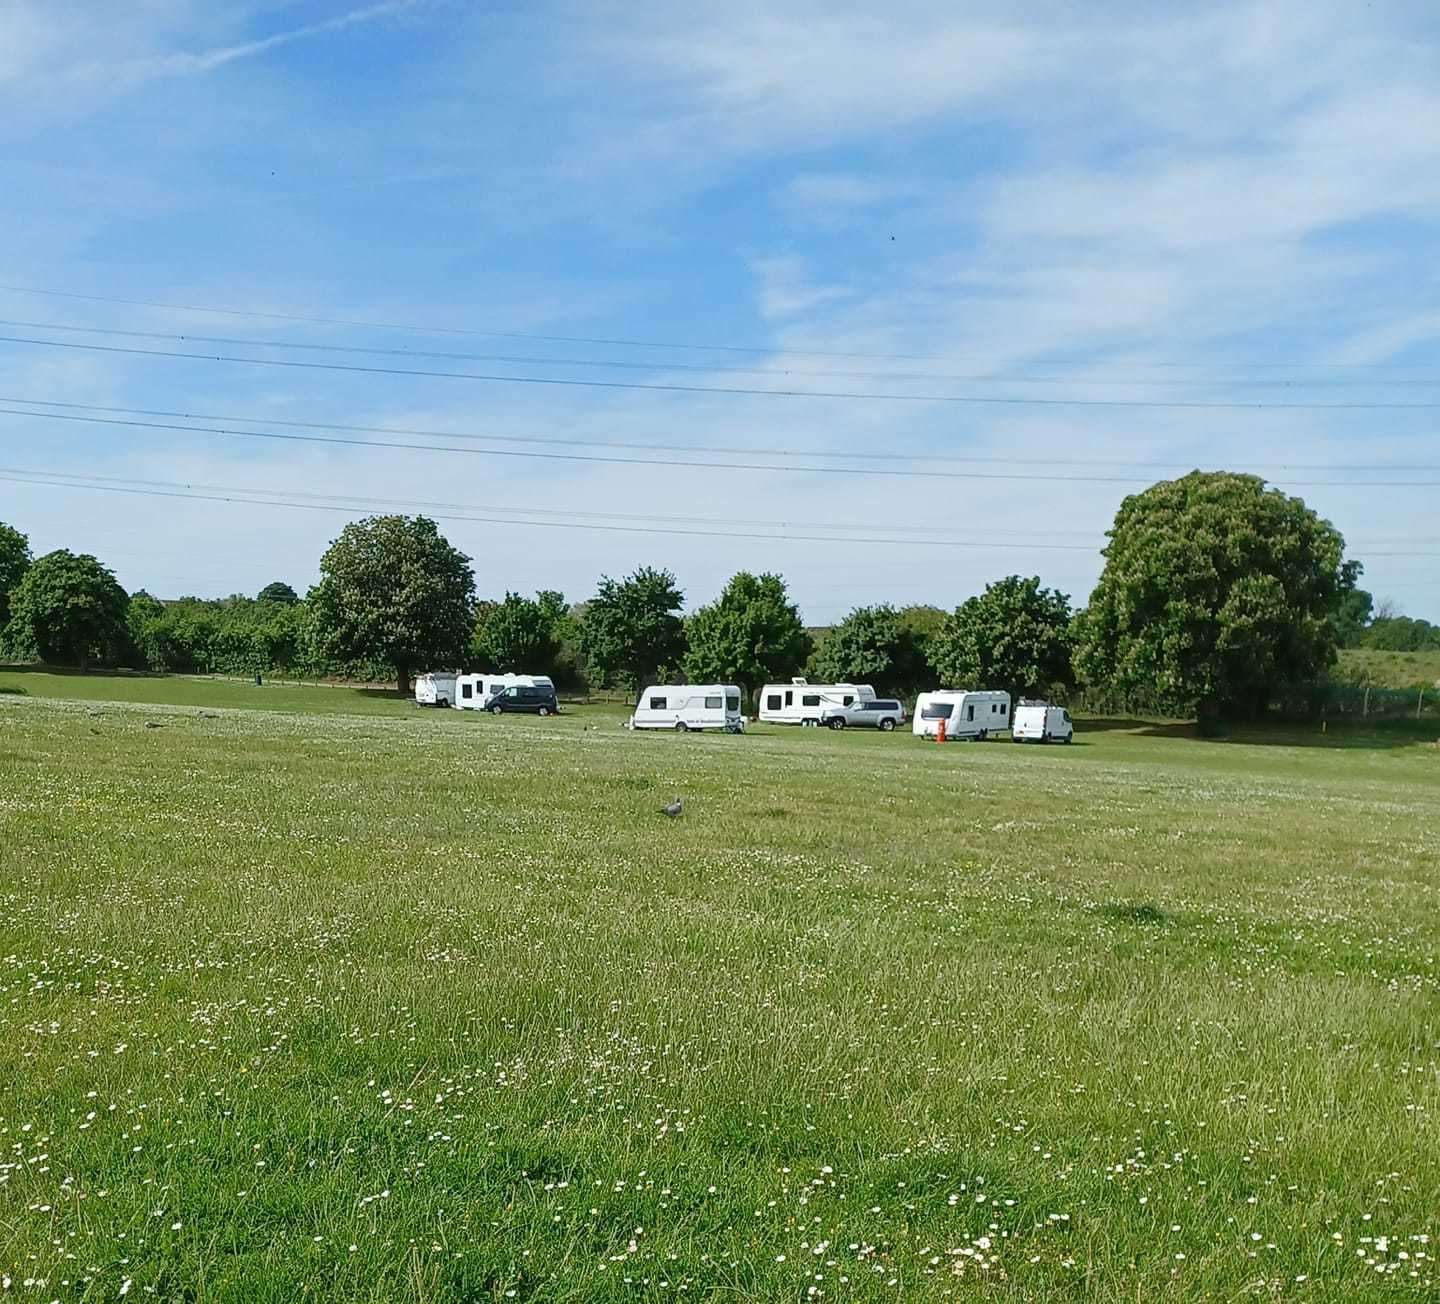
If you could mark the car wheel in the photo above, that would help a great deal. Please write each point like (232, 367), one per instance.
(681, 727)
(544, 710)
(497, 710)
(886, 725)
(444, 701)
(837, 723)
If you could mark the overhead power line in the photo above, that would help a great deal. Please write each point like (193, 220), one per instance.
(719, 450)
(460, 512)
(975, 378)
(571, 382)
(287, 437)
(262, 499)
(608, 342)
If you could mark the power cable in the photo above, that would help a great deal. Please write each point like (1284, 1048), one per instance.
(990, 378)
(719, 450)
(731, 390)
(414, 329)
(239, 496)
(660, 461)
(266, 498)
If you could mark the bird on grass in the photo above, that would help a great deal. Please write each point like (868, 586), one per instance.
(674, 809)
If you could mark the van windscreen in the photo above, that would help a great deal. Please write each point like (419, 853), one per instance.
(937, 710)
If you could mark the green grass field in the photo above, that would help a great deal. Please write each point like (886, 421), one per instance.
(342, 999)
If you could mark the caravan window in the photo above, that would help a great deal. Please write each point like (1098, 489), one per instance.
(847, 700)
(467, 690)
(970, 712)
(789, 699)
(772, 703)
(810, 699)
(1004, 708)
(713, 703)
(657, 703)
(732, 702)
(937, 711)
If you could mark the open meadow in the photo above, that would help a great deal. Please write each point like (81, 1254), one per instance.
(342, 999)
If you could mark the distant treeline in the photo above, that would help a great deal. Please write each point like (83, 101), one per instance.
(1220, 598)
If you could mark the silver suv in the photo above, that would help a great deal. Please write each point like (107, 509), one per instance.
(882, 713)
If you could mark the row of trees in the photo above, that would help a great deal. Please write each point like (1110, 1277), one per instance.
(1219, 597)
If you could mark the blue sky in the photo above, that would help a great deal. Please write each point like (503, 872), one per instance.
(1113, 202)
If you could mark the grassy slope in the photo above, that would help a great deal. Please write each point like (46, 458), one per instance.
(436, 1006)
(1389, 669)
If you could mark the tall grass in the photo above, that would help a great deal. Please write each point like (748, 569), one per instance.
(419, 1005)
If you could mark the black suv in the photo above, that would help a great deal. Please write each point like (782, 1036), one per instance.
(518, 697)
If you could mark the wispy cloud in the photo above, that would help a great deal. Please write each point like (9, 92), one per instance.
(181, 64)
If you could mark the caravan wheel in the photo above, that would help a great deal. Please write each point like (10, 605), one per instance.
(681, 727)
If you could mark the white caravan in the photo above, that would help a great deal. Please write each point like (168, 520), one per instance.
(966, 714)
(801, 702)
(436, 688)
(473, 691)
(683, 707)
(1042, 723)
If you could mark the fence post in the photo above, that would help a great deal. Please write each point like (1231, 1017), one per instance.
(1365, 709)
(1420, 705)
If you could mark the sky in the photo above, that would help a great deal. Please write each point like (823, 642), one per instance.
(980, 270)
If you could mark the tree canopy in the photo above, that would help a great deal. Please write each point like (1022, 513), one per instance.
(1014, 636)
(872, 645)
(393, 590)
(1401, 634)
(519, 634)
(70, 609)
(750, 635)
(14, 561)
(1217, 595)
(278, 591)
(631, 628)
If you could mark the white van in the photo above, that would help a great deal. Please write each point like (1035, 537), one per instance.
(801, 702)
(966, 714)
(473, 692)
(1042, 723)
(435, 688)
(683, 707)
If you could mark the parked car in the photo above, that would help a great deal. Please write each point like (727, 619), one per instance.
(537, 699)
(1041, 723)
(474, 692)
(883, 713)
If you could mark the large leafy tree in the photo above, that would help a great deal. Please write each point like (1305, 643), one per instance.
(14, 561)
(1354, 609)
(1015, 635)
(632, 627)
(1217, 595)
(70, 609)
(278, 591)
(872, 645)
(393, 590)
(519, 634)
(749, 635)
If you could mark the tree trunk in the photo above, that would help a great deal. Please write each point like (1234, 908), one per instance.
(402, 679)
